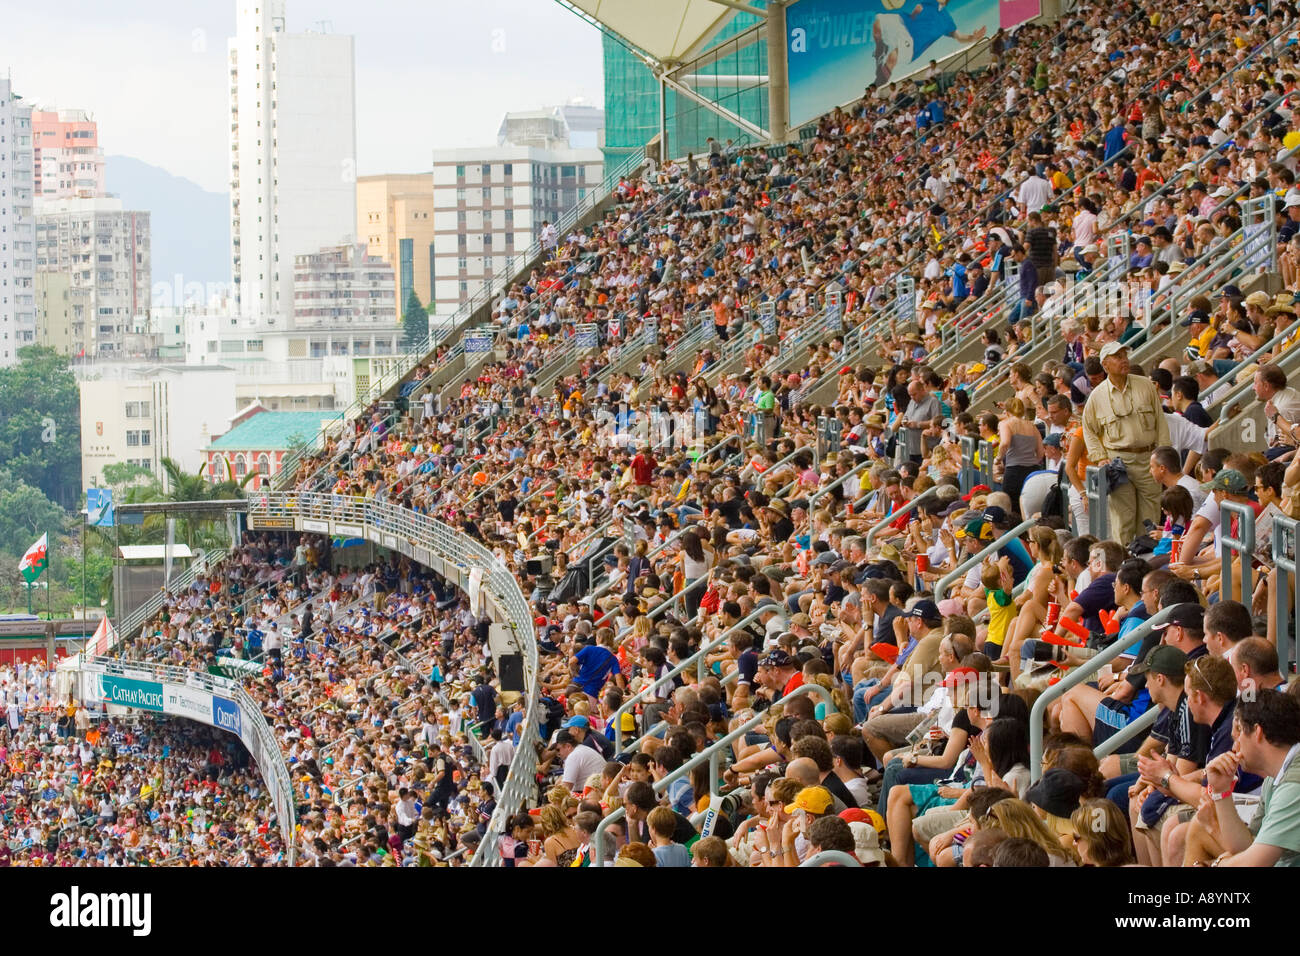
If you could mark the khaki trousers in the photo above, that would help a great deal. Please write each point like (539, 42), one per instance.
(1135, 501)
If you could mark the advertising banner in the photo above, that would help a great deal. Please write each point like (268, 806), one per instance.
(128, 692)
(260, 522)
(837, 48)
(478, 342)
(99, 507)
(182, 701)
(226, 715)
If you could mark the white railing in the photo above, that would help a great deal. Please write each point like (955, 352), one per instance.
(455, 556)
(252, 730)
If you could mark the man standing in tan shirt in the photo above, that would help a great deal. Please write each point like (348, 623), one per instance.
(1123, 419)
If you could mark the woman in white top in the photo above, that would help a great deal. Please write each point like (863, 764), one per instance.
(697, 558)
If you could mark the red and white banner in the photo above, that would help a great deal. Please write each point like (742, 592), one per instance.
(105, 637)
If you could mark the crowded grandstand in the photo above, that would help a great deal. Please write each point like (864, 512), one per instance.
(921, 492)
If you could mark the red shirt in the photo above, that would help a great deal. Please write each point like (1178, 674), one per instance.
(643, 468)
(792, 683)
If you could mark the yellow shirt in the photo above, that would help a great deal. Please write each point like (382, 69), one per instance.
(1000, 614)
(1202, 342)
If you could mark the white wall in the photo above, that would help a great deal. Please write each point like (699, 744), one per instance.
(315, 153)
(17, 228)
(200, 405)
(186, 407)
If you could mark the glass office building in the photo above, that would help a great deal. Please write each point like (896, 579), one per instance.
(735, 79)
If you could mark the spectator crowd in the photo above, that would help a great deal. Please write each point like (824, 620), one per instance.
(708, 560)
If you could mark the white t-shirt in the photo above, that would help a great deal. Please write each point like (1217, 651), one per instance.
(1209, 510)
(861, 792)
(500, 756)
(1194, 489)
(581, 763)
(1184, 435)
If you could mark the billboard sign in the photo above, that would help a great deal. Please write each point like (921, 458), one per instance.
(182, 701)
(226, 715)
(128, 692)
(837, 48)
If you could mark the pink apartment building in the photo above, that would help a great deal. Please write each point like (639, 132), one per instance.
(66, 158)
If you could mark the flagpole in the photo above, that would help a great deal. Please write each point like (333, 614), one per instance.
(84, 517)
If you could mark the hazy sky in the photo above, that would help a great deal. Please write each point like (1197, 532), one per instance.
(429, 75)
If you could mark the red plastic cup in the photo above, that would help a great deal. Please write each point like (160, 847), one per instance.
(1053, 613)
(922, 563)
(1176, 550)
(534, 847)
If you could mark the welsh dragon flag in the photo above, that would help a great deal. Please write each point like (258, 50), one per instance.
(35, 560)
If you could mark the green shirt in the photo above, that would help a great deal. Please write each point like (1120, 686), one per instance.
(765, 401)
(1277, 821)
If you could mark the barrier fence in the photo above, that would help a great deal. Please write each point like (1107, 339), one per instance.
(455, 556)
(1286, 588)
(1239, 544)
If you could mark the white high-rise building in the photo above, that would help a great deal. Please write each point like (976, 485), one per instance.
(489, 204)
(17, 227)
(292, 153)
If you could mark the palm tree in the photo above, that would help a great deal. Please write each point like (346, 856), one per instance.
(185, 487)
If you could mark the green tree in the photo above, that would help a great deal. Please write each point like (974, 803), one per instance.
(415, 322)
(25, 514)
(40, 427)
(120, 475)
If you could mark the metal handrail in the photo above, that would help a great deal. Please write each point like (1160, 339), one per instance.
(1242, 543)
(941, 587)
(1235, 68)
(424, 540)
(696, 659)
(928, 495)
(1224, 400)
(1077, 676)
(709, 755)
(819, 492)
(1286, 549)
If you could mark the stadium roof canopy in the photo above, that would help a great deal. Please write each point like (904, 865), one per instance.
(667, 31)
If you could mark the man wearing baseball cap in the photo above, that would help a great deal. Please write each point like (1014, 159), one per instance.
(1123, 419)
(917, 662)
(779, 674)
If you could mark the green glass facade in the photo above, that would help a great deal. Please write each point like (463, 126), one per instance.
(632, 96)
(631, 102)
(405, 272)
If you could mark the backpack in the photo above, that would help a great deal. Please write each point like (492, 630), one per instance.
(554, 712)
(1055, 506)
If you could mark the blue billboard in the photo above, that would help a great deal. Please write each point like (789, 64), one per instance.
(225, 714)
(99, 507)
(837, 48)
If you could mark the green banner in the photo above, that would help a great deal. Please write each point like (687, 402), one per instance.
(127, 692)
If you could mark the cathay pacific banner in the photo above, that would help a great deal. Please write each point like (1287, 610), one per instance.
(127, 692)
(837, 48)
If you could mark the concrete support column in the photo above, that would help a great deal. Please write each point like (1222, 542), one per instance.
(778, 85)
